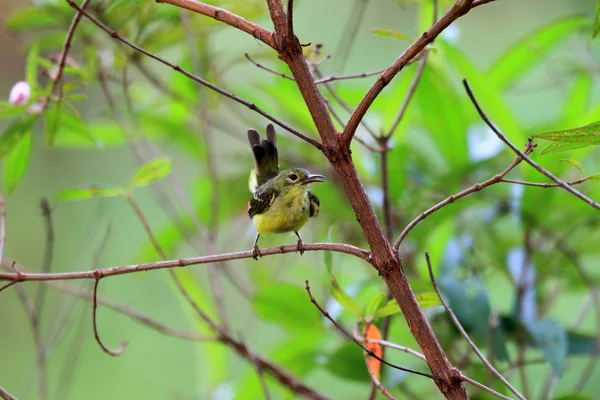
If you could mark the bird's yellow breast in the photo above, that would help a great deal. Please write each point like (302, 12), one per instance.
(287, 213)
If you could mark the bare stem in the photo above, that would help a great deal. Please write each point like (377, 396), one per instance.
(122, 346)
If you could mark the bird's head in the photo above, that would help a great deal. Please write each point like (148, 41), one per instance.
(297, 177)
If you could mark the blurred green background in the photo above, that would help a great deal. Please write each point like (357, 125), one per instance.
(440, 148)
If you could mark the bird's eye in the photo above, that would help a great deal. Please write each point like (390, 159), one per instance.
(293, 177)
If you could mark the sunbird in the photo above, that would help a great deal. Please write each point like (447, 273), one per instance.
(281, 201)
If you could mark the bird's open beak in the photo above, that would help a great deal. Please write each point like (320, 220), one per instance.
(312, 178)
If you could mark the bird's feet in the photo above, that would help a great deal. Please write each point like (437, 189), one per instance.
(256, 252)
(300, 247)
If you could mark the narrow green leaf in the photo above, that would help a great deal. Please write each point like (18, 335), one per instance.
(575, 164)
(52, 121)
(558, 148)
(151, 171)
(588, 134)
(530, 51)
(32, 64)
(429, 299)
(344, 298)
(550, 337)
(594, 177)
(391, 34)
(596, 28)
(374, 305)
(579, 344)
(390, 308)
(13, 134)
(16, 163)
(9, 110)
(87, 192)
(29, 18)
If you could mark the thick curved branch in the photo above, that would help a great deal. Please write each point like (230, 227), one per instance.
(529, 161)
(114, 34)
(460, 8)
(181, 262)
(225, 16)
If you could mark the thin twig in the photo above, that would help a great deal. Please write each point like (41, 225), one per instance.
(5, 395)
(374, 378)
(535, 165)
(332, 78)
(225, 16)
(281, 74)
(545, 185)
(47, 261)
(410, 92)
(475, 188)
(181, 262)
(122, 346)
(483, 387)
(478, 3)
(114, 34)
(461, 7)
(351, 337)
(466, 336)
(349, 35)
(62, 58)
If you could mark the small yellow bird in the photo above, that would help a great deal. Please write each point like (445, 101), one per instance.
(281, 201)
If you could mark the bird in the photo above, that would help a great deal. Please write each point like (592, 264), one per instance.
(281, 201)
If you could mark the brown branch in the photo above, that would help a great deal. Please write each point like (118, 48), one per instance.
(290, 20)
(219, 14)
(5, 395)
(459, 8)
(332, 78)
(478, 3)
(114, 34)
(535, 165)
(122, 346)
(545, 185)
(466, 336)
(374, 378)
(475, 188)
(62, 58)
(181, 262)
(281, 74)
(2, 227)
(351, 337)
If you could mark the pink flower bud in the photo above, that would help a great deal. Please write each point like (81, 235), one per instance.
(19, 94)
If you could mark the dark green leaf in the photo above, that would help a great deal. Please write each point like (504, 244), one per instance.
(390, 33)
(580, 344)
(374, 305)
(151, 172)
(596, 28)
(588, 134)
(550, 337)
(348, 362)
(90, 191)
(13, 134)
(575, 164)
(470, 303)
(557, 147)
(286, 305)
(16, 163)
(344, 298)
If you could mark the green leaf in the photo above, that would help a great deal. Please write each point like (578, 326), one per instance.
(87, 192)
(9, 110)
(557, 147)
(550, 337)
(390, 308)
(588, 135)
(594, 177)
(374, 305)
(596, 28)
(16, 163)
(29, 18)
(52, 121)
(286, 305)
(32, 64)
(390, 33)
(469, 301)
(579, 344)
(530, 51)
(14, 133)
(151, 171)
(429, 299)
(347, 362)
(344, 298)
(574, 396)
(575, 164)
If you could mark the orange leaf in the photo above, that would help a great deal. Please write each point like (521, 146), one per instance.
(372, 333)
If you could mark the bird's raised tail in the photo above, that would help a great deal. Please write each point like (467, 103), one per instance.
(266, 159)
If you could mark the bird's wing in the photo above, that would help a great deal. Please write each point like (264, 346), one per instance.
(266, 159)
(260, 202)
(315, 204)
